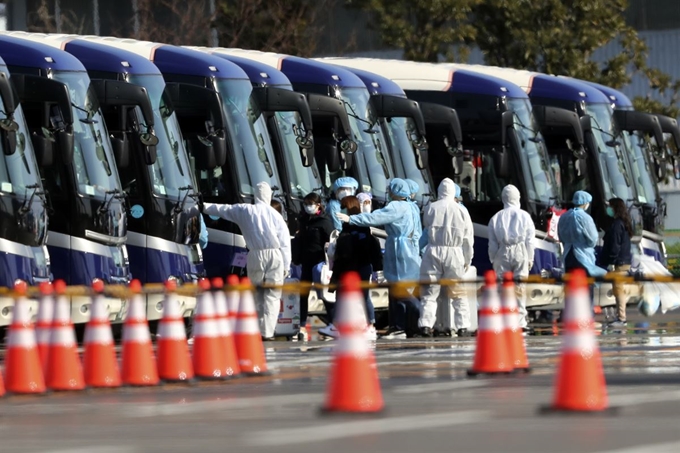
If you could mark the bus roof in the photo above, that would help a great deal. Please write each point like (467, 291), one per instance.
(377, 84)
(34, 54)
(620, 100)
(258, 72)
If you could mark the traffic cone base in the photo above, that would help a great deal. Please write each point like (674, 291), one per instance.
(173, 358)
(513, 332)
(139, 364)
(353, 384)
(60, 376)
(101, 367)
(492, 353)
(23, 370)
(247, 337)
(580, 383)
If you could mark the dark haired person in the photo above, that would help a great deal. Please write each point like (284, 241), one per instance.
(355, 250)
(616, 254)
(315, 231)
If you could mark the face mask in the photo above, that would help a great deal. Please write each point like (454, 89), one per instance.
(311, 209)
(344, 211)
(366, 208)
(342, 193)
(610, 211)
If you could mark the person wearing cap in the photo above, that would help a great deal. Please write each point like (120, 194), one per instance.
(366, 200)
(511, 244)
(413, 187)
(578, 234)
(402, 258)
(341, 188)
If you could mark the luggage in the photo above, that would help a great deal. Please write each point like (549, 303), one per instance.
(288, 323)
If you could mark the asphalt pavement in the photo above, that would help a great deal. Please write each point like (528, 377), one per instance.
(431, 405)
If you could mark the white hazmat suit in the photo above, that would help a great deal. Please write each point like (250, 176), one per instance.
(449, 251)
(268, 242)
(511, 243)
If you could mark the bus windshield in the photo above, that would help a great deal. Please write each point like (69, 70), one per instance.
(94, 166)
(615, 174)
(398, 131)
(19, 171)
(372, 157)
(538, 177)
(248, 133)
(170, 174)
(303, 180)
(640, 166)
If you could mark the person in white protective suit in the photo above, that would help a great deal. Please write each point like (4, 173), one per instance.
(268, 241)
(511, 244)
(448, 255)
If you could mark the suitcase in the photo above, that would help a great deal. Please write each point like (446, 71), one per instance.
(288, 323)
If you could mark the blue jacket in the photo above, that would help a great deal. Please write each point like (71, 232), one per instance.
(403, 228)
(203, 236)
(578, 233)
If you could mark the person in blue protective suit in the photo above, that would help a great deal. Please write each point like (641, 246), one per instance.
(577, 231)
(413, 187)
(402, 258)
(203, 236)
(341, 188)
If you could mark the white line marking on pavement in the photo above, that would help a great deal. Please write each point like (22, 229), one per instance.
(668, 447)
(426, 388)
(95, 449)
(643, 398)
(312, 433)
(154, 410)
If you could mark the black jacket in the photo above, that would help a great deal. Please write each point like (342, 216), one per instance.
(308, 246)
(616, 247)
(354, 249)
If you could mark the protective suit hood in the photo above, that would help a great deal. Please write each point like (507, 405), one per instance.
(345, 181)
(510, 196)
(581, 197)
(263, 193)
(400, 188)
(446, 189)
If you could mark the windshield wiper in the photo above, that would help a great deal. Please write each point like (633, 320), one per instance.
(354, 115)
(114, 193)
(89, 114)
(26, 205)
(519, 122)
(179, 207)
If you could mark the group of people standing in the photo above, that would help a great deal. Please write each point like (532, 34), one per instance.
(438, 247)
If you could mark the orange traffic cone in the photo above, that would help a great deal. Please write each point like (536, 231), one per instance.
(513, 333)
(580, 383)
(23, 373)
(492, 355)
(208, 356)
(231, 367)
(99, 361)
(64, 370)
(233, 299)
(249, 345)
(139, 363)
(174, 361)
(43, 324)
(353, 385)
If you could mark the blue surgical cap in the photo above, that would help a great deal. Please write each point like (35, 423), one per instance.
(412, 185)
(345, 181)
(457, 190)
(400, 188)
(581, 197)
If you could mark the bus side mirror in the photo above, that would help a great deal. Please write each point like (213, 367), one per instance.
(328, 149)
(44, 150)
(66, 141)
(501, 163)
